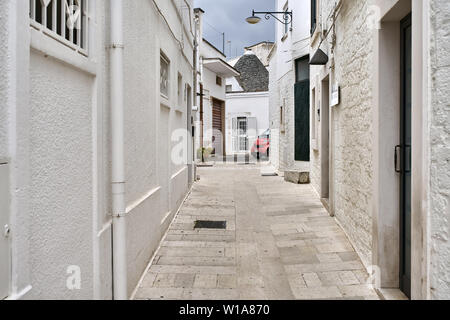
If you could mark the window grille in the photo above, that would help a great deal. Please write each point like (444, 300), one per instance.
(64, 20)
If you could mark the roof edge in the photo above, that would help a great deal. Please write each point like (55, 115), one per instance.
(257, 44)
(212, 46)
(226, 63)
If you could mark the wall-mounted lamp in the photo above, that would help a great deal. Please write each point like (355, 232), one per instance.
(319, 58)
(286, 16)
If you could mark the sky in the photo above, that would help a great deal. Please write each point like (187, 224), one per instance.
(229, 16)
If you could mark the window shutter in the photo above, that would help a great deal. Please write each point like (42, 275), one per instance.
(234, 139)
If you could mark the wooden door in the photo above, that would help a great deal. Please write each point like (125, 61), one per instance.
(217, 126)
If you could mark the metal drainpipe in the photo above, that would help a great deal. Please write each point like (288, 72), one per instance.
(201, 122)
(194, 97)
(118, 160)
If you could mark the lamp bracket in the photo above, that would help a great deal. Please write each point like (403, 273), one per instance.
(286, 16)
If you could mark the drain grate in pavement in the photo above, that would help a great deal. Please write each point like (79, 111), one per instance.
(205, 224)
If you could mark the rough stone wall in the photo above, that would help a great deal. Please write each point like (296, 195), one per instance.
(351, 129)
(439, 116)
(286, 99)
(274, 114)
(315, 173)
(254, 77)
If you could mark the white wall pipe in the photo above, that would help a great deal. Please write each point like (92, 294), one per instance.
(118, 160)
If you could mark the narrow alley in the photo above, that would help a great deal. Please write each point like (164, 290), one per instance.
(279, 243)
(224, 150)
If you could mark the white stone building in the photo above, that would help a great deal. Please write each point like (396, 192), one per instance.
(61, 150)
(380, 135)
(213, 71)
(247, 103)
(290, 52)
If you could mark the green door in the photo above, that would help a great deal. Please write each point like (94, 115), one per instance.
(302, 121)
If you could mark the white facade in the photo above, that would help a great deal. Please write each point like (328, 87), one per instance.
(213, 71)
(262, 51)
(289, 46)
(55, 136)
(247, 113)
(253, 107)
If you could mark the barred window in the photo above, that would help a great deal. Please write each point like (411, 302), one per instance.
(64, 20)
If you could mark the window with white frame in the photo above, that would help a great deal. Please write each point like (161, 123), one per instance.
(65, 20)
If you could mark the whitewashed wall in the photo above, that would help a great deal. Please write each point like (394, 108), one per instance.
(254, 105)
(282, 71)
(56, 134)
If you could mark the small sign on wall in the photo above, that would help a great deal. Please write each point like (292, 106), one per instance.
(335, 95)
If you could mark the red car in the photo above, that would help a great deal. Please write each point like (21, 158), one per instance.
(262, 145)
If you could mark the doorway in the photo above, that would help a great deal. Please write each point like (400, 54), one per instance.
(190, 131)
(218, 138)
(403, 155)
(242, 136)
(301, 100)
(325, 143)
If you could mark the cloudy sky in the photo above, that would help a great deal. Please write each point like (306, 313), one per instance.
(229, 16)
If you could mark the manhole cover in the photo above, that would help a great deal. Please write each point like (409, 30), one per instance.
(204, 224)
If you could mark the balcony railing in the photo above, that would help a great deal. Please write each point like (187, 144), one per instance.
(67, 21)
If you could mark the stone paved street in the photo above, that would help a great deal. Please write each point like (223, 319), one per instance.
(279, 243)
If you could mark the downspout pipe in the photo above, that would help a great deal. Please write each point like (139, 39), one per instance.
(194, 97)
(120, 291)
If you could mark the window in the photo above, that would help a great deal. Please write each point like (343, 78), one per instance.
(302, 69)
(282, 117)
(164, 76)
(66, 20)
(218, 81)
(229, 88)
(313, 15)
(180, 89)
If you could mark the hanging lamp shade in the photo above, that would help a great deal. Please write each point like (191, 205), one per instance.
(319, 58)
(253, 19)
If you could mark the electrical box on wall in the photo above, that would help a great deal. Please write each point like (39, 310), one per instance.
(5, 242)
